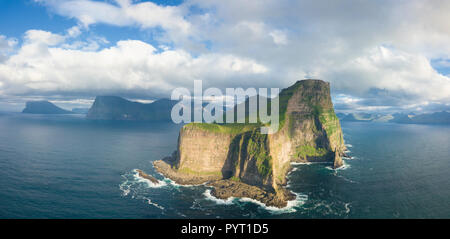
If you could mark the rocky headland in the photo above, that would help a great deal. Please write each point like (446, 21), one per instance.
(236, 160)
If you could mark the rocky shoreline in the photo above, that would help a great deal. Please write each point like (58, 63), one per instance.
(166, 170)
(224, 188)
(146, 176)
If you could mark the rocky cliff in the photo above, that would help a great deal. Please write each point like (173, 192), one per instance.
(237, 160)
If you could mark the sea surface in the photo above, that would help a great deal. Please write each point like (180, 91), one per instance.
(65, 166)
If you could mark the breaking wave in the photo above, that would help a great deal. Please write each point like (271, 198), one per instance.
(134, 185)
(161, 183)
(343, 167)
(210, 197)
(291, 206)
(173, 183)
(299, 200)
(149, 201)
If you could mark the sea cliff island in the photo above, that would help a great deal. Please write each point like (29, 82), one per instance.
(236, 160)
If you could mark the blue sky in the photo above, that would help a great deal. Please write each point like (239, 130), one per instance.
(378, 56)
(29, 14)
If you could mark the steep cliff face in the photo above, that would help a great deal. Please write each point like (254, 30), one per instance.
(309, 132)
(201, 151)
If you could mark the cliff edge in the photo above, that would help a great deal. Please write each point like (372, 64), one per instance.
(238, 161)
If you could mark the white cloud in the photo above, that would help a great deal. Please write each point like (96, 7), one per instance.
(125, 13)
(45, 65)
(279, 37)
(7, 44)
(74, 31)
(393, 71)
(368, 47)
(44, 37)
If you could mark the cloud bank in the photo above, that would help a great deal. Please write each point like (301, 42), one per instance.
(377, 53)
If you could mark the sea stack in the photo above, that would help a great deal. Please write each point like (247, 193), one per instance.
(142, 174)
(237, 160)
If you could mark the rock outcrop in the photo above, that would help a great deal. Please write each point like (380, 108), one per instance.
(142, 174)
(237, 160)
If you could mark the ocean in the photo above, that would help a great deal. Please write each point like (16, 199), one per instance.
(64, 166)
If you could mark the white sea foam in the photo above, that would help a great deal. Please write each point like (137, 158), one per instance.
(138, 178)
(347, 208)
(343, 167)
(290, 207)
(210, 197)
(173, 183)
(133, 178)
(133, 185)
(299, 200)
(125, 188)
(152, 203)
(348, 145)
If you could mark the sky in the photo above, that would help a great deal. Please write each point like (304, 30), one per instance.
(379, 56)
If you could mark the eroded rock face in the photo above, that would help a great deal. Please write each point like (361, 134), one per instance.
(309, 132)
(202, 152)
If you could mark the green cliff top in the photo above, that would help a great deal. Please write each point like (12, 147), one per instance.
(315, 93)
(234, 128)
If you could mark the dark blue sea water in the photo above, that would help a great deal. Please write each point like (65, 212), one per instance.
(69, 167)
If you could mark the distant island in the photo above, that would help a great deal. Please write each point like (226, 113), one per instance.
(43, 107)
(110, 108)
(117, 108)
(401, 118)
(238, 161)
